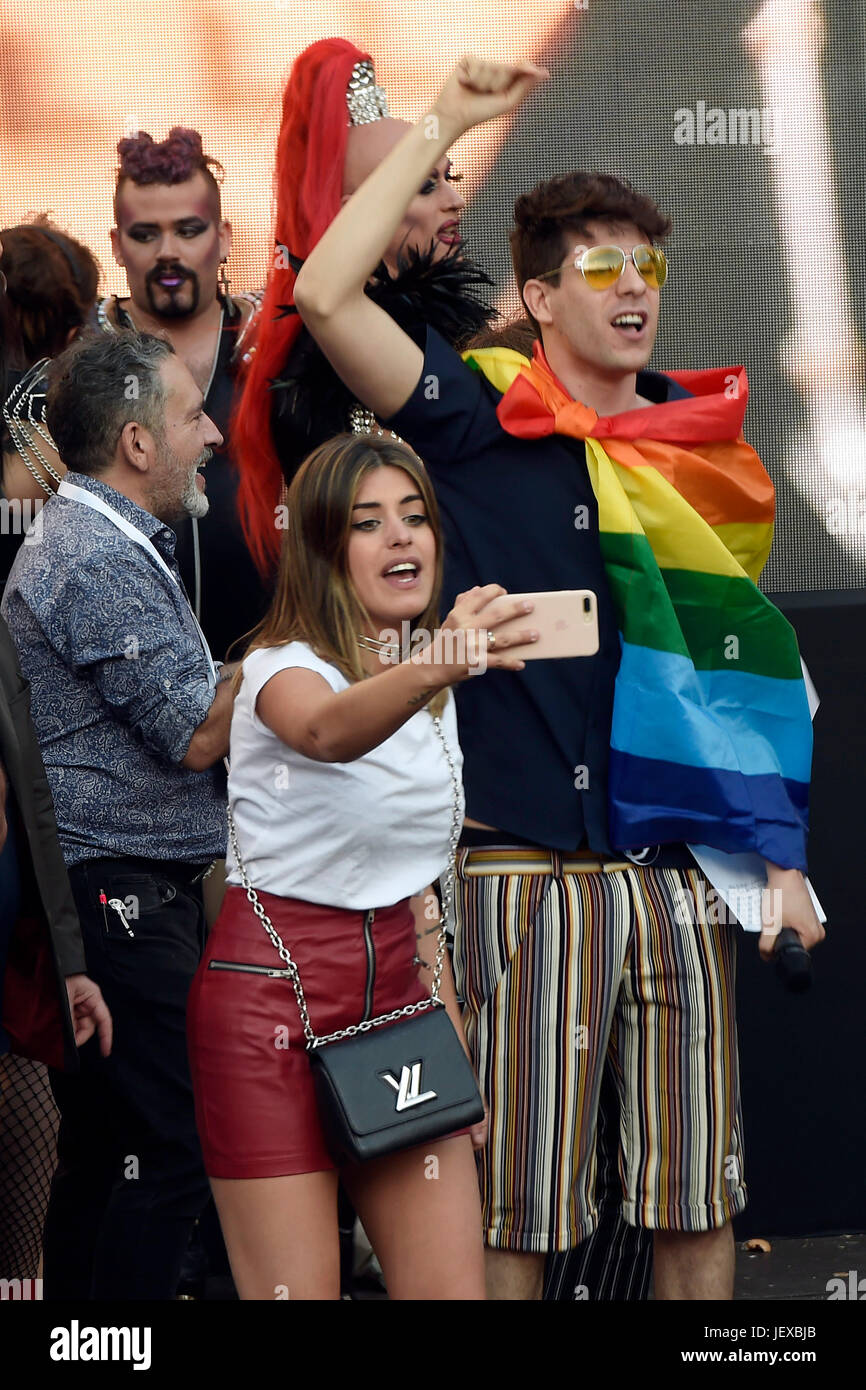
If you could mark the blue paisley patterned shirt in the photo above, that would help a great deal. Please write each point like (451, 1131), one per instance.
(119, 684)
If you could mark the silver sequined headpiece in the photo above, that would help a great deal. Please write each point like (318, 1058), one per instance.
(366, 101)
(363, 421)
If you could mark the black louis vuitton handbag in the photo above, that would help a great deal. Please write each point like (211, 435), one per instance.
(391, 1082)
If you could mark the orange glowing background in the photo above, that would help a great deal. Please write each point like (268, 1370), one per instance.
(74, 79)
(766, 255)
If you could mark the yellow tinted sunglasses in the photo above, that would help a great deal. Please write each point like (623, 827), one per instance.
(601, 266)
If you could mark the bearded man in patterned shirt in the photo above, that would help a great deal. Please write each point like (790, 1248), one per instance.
(133, 721)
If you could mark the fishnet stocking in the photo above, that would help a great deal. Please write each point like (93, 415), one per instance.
(28, 1156)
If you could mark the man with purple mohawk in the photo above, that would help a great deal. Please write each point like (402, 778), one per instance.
(174, 243)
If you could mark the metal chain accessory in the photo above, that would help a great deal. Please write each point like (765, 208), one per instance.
(291, 970)
(366, 101)
(18, 413)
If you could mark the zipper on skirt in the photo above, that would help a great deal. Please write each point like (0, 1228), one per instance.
(371, 963)
(249, 969)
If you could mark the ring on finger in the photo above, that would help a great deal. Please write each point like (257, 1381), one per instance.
(491, 640)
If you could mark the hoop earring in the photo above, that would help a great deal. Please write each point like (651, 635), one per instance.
(225, 287)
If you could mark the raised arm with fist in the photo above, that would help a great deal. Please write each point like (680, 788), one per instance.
(476, 92)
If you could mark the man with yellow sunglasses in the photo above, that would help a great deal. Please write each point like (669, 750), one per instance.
(584, 929)
(602, 266)
(598, 308)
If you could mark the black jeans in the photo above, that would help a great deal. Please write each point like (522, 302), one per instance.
(130, 1180)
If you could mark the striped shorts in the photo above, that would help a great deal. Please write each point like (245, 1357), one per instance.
(563, 962)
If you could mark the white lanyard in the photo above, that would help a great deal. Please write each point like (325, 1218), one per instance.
(87, 499)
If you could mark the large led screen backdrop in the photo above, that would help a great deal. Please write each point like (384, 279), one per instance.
(744, 120)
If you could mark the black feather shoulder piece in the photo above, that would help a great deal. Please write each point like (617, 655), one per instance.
(449, 294)
(310, 402)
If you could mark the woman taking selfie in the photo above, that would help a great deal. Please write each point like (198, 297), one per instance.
(345, 802)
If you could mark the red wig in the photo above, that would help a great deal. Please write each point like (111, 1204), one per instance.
(311, 153)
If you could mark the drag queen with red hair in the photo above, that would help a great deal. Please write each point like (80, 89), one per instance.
(335, 130)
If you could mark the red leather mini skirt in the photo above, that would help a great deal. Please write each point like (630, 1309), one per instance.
(255, 1104)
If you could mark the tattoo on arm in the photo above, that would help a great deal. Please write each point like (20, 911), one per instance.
(421, 698)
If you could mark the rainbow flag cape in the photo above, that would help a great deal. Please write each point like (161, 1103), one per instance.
(711, 739)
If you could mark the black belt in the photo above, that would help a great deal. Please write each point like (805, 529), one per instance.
(174, 869)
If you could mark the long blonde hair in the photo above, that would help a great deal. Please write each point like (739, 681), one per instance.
(315, 601)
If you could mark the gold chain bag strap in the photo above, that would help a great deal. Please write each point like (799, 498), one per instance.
(402, 1078)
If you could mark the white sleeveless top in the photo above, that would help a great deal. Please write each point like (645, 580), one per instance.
(356, 835)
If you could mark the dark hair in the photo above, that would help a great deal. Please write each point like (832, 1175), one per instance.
(550, 214)
(517, 334)
(174, 160)
(96, 387)
(52, 282)
(315, 600)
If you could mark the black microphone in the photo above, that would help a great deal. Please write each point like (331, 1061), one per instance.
(793, 962)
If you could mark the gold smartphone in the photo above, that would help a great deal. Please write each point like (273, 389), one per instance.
(566, 621)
